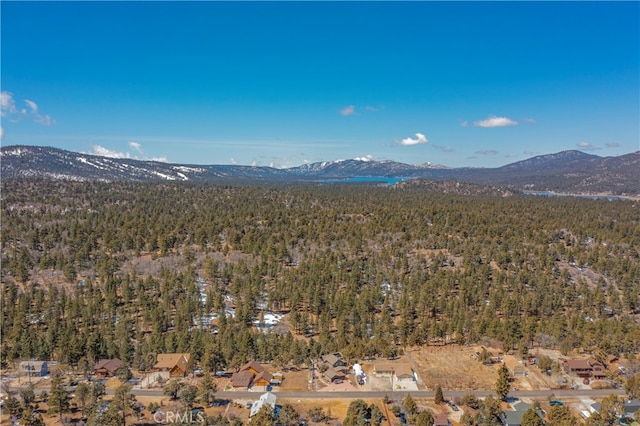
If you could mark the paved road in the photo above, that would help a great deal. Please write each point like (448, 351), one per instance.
(246, 395)
(559, 393)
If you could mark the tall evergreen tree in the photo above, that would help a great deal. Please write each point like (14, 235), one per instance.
(502, 384)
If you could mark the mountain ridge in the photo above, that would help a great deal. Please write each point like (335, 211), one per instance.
(566, 171)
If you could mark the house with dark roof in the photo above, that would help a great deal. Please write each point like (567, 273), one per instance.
(242, 379)
(630, 407)
(589, 368)
(334, 360)
(514, 418)
(253, 366)
(263, 378)
(107, 367)
(334, 376)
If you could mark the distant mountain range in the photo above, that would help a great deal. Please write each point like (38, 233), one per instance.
(566, 172)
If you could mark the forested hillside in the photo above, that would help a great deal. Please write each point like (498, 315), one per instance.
(97, 270)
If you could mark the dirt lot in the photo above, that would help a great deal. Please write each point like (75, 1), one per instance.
(452, 367)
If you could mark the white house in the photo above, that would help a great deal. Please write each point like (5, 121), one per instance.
(265, 398)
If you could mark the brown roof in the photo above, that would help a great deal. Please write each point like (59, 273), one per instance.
(582, 364)
(253, 365)
(383, 367)
(170, 361)
(403, 370)
(333, 360)
(109, 365)
(242, 379)
(332, 373)
(440, 419)
(263, 375)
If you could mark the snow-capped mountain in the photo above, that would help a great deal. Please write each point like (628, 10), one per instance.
(567, 171)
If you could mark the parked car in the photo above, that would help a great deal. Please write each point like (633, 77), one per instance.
(555, 402)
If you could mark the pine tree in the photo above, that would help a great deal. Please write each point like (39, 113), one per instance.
(531, 418)
(439, 397)
(58, 399)
(502, 384)
(207, 388)
(425, 418)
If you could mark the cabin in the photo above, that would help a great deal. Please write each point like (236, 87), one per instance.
(174, 364)
(263, 378)
(253, 366)
(107, 368)
(334, 360)
(334, 376)
(242, 379)
(587, 368)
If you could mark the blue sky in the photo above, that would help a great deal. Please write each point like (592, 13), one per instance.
(477, 84)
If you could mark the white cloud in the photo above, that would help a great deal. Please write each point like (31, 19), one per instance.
(348, 110)
(32, 105)
(487, 152)
(464, 123)
(420, 139)
(531, 120)
(586, 146)
(7, 104)
(367, 157)
(1, 133)
(136, 146)
(45, 120)
(494, 121)
(613, 144)
(10, 111)
(105, 152)
(233, 160)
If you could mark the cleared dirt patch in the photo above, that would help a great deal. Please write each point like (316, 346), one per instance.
(452, 367)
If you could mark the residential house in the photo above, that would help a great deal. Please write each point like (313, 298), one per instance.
(404, 373)
(334, 376)
(630, 407)
(589, 368)
(265, 399)
(514, 418)
(263, 378)
(334, 360)
(34, 368)
(174, 364)
(107, 367)
(519, 370)
(383, 369)
(242, 379)
(253, 366)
